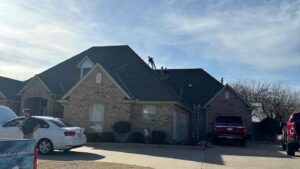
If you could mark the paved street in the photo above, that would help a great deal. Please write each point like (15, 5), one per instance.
(254, 155)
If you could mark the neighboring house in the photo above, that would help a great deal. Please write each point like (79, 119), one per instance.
(103, 85)
(8, 93)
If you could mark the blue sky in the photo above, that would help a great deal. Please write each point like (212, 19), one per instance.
(236, 40)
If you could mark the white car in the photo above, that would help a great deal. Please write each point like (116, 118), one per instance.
(6, 114)
(53, 133)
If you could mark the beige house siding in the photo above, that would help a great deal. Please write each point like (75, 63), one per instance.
(232, 106)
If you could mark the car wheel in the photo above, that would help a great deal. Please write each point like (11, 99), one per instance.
(283, 145)
(290, 149)
(45, 146)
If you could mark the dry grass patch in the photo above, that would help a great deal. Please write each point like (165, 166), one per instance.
(45, 164)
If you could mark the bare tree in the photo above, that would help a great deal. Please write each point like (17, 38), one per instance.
(271, 100)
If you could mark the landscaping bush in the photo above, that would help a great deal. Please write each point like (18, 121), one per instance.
(91, 137)
(106, 137)
(122, 127)
(158, 137)
(269, 126)
(136, 137)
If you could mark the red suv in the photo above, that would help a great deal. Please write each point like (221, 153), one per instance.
(229, 128)
(291, 134)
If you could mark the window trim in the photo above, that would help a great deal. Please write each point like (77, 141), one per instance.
(103, 118)
(149, 121)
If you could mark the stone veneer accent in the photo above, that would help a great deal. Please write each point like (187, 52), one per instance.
(233, 106)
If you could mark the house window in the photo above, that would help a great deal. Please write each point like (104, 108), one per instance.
(85, 65)
(98, 78)
(227, 95)
(149, 113)
(96, 117)
(84, 71)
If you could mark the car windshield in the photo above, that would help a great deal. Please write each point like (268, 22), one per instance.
(61, 123)
(229, 119)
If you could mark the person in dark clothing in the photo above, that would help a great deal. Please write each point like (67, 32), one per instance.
(30, 125)
(151, 62)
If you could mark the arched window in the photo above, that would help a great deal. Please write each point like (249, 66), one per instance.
(98, 78)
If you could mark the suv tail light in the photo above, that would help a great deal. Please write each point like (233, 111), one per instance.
(70, 133)
(291, 129)
(242, 130)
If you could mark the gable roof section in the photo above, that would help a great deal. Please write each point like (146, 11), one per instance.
(28, 82)
(234, 92)
(132, 74)
(9, 88)
(193, 86)
(83, 79)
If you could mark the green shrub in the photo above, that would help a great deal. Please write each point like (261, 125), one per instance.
(136, 137)
(122, 127)
(158, 137)
(106, 137)
(91, 137)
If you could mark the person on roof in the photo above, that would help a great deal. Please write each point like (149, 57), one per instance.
(151, 62)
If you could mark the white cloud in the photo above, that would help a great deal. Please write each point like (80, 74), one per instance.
(264, 37)
(41, 35)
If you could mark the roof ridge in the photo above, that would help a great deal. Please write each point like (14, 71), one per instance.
(107, 46)
(7, 78)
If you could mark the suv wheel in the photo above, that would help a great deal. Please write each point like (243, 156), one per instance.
(290, 149)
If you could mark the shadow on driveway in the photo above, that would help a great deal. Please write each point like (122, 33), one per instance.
(71, 156)
(210, 155)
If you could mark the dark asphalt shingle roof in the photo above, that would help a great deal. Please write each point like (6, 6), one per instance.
(122, 63)
(203, 86)
(10, 88)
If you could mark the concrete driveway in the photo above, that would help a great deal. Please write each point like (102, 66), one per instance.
(254, 155)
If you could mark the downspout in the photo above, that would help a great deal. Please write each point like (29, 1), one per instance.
(173, 124)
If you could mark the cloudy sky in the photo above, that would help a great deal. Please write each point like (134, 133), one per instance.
(236, 40)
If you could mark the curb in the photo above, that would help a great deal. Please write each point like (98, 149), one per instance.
(95, 144)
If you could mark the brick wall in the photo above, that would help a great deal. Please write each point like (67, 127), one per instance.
(163, 119)
(77, 107)
(37, 89)
(233, 106)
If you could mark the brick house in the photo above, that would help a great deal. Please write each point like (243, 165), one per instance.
(103, 85)
(8, 90)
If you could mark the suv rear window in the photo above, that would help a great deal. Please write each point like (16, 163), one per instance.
(61, 123)
(229, 119)
(296, 117)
